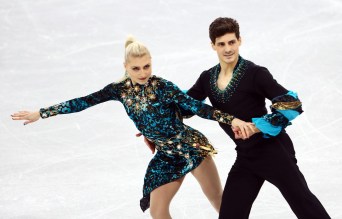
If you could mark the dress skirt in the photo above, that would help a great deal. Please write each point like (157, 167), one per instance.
(175, 157)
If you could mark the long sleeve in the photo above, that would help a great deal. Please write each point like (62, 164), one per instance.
(78, 104)
(285, 105)
(197, 90)
(174, 94)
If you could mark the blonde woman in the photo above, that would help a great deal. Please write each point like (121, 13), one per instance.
(152, 103)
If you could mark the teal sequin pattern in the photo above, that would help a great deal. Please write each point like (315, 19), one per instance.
(81, 103)
(153, 107)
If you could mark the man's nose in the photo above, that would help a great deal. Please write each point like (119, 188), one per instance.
(227, 48)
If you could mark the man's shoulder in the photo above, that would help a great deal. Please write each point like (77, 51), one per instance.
(258, 72)
(206, 73)
(252, 66)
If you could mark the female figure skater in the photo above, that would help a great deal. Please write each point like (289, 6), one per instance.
(151, 102)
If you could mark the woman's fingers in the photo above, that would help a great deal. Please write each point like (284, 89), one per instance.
(26, 115)
(27, 122)
(20, 114)
(246, 131)
(17, 117)
(249, 130)
(243, 130)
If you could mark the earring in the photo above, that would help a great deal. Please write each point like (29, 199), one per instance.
(126, 74)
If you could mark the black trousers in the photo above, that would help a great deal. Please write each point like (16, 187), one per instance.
(272, 160)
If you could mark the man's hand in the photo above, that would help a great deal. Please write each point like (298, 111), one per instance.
(243, 130)
(148, 143)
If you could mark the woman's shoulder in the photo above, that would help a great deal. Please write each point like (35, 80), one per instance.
(117, 85)
(157, 80)
(162, 83)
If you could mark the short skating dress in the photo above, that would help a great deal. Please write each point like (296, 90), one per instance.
(154, 109)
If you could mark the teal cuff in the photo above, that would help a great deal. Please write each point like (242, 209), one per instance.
(265, 127)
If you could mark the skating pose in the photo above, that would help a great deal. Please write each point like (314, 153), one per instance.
(152, 103)
(239, 87)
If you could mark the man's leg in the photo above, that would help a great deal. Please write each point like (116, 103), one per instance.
(287, 177)
(241, 189)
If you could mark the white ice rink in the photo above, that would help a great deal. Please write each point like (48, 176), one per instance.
(90, 165)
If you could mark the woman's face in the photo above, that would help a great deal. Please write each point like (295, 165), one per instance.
(139, 69)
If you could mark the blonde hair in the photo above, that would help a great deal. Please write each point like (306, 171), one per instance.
(133, 48)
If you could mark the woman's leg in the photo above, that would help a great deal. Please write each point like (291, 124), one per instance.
(161, 198)
(207, 176)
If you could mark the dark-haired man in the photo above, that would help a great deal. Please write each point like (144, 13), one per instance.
(239, 87)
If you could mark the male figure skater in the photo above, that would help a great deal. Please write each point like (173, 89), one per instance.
(239, 87)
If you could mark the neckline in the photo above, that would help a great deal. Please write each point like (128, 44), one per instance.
(235, 70)
(223, 96)
(140, 85)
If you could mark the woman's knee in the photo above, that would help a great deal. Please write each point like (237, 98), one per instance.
(160, 212)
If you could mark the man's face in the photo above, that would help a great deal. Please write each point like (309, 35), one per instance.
(227, 48)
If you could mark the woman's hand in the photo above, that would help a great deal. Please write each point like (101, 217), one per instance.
(149, 144)
(243, 130)
(26, 115)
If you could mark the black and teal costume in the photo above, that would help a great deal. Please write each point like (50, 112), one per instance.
(266, 156)
(153, 107)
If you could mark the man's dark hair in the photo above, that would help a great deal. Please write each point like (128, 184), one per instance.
(221, 26)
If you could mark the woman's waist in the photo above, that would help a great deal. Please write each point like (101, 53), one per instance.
(170, 137)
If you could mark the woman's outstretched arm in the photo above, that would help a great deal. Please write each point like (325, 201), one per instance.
(71, 106)
(28, 116)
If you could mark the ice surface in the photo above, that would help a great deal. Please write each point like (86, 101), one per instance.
(90, 165)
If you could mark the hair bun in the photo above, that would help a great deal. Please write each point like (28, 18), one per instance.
(130, 39)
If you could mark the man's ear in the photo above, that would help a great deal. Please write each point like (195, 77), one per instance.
(213, 46)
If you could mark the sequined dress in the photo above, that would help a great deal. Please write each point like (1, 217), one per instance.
(153, 107)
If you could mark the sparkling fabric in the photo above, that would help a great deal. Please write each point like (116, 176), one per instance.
(283, 103)
(153, 107)
(284, 109)
(224, 96)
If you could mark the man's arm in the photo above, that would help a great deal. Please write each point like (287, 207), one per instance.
(285, 107)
